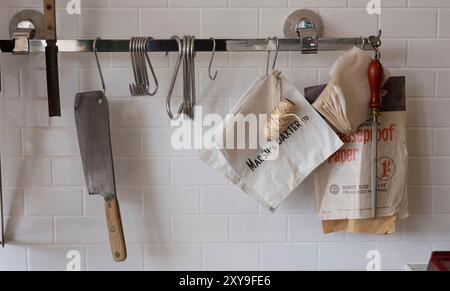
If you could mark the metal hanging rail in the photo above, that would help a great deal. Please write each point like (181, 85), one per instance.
(201, 45)
(31, 32)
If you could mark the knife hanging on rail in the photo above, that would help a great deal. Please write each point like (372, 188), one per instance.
(94, 138)
(51, 58)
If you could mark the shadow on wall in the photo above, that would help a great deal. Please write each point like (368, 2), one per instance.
(12, 223)
(11, 208)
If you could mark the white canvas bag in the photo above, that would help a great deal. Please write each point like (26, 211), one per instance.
(271, 171)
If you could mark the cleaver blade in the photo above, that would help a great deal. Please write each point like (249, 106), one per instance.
(94, 138)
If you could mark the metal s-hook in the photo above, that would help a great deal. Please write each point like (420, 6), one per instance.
(375, 42)
(277, 43)
(186, 83)
(212, 59)
(98, 65)
(193, 99)
(277, 49)
(174, 76)
(155, 79)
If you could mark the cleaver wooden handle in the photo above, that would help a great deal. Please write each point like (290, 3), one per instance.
(115, 230)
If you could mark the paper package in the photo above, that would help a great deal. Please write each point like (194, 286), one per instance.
(342, 184)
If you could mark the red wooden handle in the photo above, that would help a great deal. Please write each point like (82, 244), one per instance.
(375, 75)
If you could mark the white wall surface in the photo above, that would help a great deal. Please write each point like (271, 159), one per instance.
(177, 212)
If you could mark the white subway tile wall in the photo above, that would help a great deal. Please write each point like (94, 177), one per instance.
(178, 213)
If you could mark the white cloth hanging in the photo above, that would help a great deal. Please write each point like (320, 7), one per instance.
(345, 100)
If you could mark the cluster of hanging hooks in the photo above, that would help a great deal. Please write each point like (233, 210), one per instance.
(186, 56)
(139, 61)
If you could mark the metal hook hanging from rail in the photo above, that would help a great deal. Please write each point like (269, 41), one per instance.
(98, 66)
(189, 94)
(155, 79)
(375, 43)
(174, 75)
(193, 99)
(186, 54)
(139, 61)
(211, 76)
(277, 48)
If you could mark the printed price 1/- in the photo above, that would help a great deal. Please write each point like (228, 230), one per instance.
(386, 168)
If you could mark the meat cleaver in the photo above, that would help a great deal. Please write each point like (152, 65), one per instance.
(94, 138)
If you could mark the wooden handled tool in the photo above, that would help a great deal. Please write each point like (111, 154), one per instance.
(375, 78)
(94, 138)
(375, 75)
(51, 58)
(115, 230)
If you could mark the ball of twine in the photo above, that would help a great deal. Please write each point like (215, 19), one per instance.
(281, 117)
